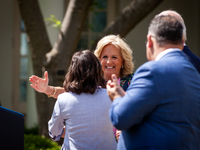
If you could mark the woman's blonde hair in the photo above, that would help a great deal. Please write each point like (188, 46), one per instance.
(124, 48)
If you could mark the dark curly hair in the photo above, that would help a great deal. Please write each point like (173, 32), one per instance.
(84, 74)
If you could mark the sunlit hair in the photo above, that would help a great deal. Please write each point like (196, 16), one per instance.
(166, 30)
(84, 73)
(124, 48)
(175, 14)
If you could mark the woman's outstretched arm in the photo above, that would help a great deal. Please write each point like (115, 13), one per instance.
(42, 85)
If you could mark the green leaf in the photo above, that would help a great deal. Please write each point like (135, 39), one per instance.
(52, 21)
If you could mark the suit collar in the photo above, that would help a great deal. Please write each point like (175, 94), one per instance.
(163, 53)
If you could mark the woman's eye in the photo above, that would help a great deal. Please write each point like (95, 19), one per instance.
(114, 57)
(104, 57)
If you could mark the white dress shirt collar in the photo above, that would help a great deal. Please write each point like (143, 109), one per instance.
(165, 52)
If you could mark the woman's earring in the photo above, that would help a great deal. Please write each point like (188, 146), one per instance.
(122, 66)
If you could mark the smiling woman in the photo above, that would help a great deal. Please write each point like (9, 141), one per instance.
(116, 58)
(111, 61)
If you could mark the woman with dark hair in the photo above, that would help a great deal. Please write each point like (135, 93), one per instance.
(83, 108)
(115, 56)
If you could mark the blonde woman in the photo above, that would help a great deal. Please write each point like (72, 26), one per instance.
(115, 56)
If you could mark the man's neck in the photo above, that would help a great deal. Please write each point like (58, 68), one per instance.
(167, 46)
(160, 55)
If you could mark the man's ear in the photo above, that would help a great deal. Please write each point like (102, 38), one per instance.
(149, 41)
(150, 48)
(183, 41)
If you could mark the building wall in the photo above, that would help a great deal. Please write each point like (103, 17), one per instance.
(9, 55)
(6, 52)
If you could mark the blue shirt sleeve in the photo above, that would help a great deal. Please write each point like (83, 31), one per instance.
(140, 100)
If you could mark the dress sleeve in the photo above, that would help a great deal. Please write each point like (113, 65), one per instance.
(55, 124)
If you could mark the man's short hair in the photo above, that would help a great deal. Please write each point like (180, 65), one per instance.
(165, 30)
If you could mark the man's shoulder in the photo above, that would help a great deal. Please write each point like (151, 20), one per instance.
(157, 67)
(150, 65)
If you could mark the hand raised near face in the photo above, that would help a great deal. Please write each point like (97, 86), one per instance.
(39, 84)
(114, 90)
(118, 132)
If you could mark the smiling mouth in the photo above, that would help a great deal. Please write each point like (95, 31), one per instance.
(110, 67)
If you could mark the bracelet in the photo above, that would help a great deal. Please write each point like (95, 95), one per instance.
(53, 92)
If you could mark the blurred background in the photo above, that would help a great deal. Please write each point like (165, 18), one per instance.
(15, 56)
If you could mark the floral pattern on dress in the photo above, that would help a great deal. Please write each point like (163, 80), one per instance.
(124, 78)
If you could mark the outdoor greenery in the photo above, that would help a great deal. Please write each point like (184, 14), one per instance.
(33, 130)
(52, 21)
(33, 141)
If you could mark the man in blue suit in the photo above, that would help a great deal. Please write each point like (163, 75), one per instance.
(160, 109)
(194, 59)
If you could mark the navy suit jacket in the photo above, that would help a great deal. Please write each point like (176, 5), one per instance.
(161, 107)
(195, 60)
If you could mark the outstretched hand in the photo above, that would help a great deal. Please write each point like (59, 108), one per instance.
(114, 90)
(38, 83)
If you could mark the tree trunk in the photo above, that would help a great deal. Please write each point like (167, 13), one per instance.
(130, 16)
(56, 60)
(59, 57)
(39, 46)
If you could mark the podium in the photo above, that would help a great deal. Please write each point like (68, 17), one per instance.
(11, 129)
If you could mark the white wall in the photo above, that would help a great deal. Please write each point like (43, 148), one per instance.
(56, 8)
(31, 113)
